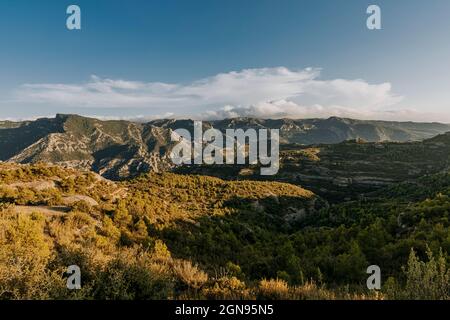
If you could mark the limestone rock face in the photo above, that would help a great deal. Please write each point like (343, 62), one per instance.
(123, 149)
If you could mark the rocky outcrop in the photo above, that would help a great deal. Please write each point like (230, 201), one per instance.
(122, 149)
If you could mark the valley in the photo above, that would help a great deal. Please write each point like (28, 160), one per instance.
(102, 196)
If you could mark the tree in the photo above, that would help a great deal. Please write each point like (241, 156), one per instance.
(121, 215)
(427, 280)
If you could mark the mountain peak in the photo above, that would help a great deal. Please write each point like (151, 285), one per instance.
(119, 149)
(64, 116)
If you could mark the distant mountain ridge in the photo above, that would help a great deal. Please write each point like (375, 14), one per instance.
(119, 149)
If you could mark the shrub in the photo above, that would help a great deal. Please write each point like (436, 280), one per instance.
(130, 275)
(227, 288)
(311, 291)
(427, 280)
(82, 206)
(189, 274)
(273, 290)
(24, 257)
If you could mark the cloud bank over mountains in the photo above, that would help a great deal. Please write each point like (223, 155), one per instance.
(263, 93)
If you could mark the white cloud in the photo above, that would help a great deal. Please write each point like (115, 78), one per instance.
(135, 118)
(289, 109)
(248, 92)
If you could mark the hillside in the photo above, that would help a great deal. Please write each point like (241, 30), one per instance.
(154, 231)
(114, 149)
(123, 149)
(335, 130)
(52, 217)
(346, 170)
(167, 236)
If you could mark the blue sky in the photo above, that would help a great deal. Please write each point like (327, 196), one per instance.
(221, 58)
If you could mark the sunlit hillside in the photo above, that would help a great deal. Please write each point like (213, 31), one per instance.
(168, 236)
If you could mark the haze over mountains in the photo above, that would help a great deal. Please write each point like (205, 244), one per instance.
(120, 149)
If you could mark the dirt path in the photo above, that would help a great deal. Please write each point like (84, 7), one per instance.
(48, 211)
